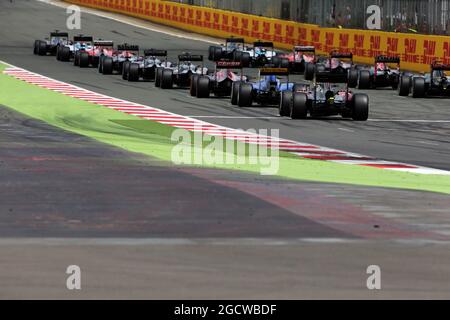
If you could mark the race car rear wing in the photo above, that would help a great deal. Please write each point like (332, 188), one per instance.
(235, 40)
(190, 57)
(83, 39)
(387, 59)
(59, 34)
(330, 77)
(341, 55)
(103, 43)
(305, 49)
(274, 72)
(155, 53)
(127, 47)
(262, 44)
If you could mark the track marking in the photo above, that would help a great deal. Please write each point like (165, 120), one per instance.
(410, 120)
(303, 150)
(234, 117)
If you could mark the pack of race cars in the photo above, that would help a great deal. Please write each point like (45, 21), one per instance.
(326, 90)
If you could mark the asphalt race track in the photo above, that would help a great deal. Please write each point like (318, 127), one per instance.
(140, 229)
(422, 142)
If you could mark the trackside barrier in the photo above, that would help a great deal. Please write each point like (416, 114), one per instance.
(416, 51)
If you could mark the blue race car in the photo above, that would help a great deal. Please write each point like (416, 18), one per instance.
(265, 91)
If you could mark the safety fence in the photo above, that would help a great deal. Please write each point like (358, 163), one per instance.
(417, 52)
(422, 16)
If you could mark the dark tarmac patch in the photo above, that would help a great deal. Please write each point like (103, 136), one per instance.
(59, 184)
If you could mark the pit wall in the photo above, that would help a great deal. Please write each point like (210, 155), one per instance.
(416, 51)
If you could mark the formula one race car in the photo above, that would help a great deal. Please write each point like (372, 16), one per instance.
(339, 62)
(324, 98)
(145, 67)
(65, 52)
(436, 83)
(265, 91)
(113, 60)
(232, 51)
(50, 45)
(180, 74)
(263, 53)
(299, 58)
(381, 74)
(89, 54)
(219, 83)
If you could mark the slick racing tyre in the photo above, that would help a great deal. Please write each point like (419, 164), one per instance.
(100, 64)
(64, 54)
(84, 60)
(203, 87)
(360, 107)
(245, 96)
(418, 87)
(235, 92)
(42, 48)
(404, 87)
(299, 108)
(352, 78)
(167, 79)
(364, 79)
(193, 86)
(107, 65)
(76, 59)
(125, 70)
(310, 69)
(158, 77)
(133, 72)
(285, 103)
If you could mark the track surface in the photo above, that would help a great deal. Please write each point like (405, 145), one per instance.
(140, 229)
(425, 142)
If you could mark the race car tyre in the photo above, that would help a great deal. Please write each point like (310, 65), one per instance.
(284, 63)
(352, 78)
(76, 59)
(360, 107)
(167, 79)
(107, 65)
(35, 49)
(42, 48)
(193, 86)
(133, 72)
(418, 87)
(203, 87)
(299, 109)
(84, 60)
(125, 70)
(100, 64)
(310, 69)
(246, 59)
(245, 98)
(58, 53)
(276, 61)
(95, 61)
(285, 103)
(64, 54)
(158, 76)
(404, 86)
(211, 52)
(235, 92)
(216, 53)
(395, 80)
(364, 79)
